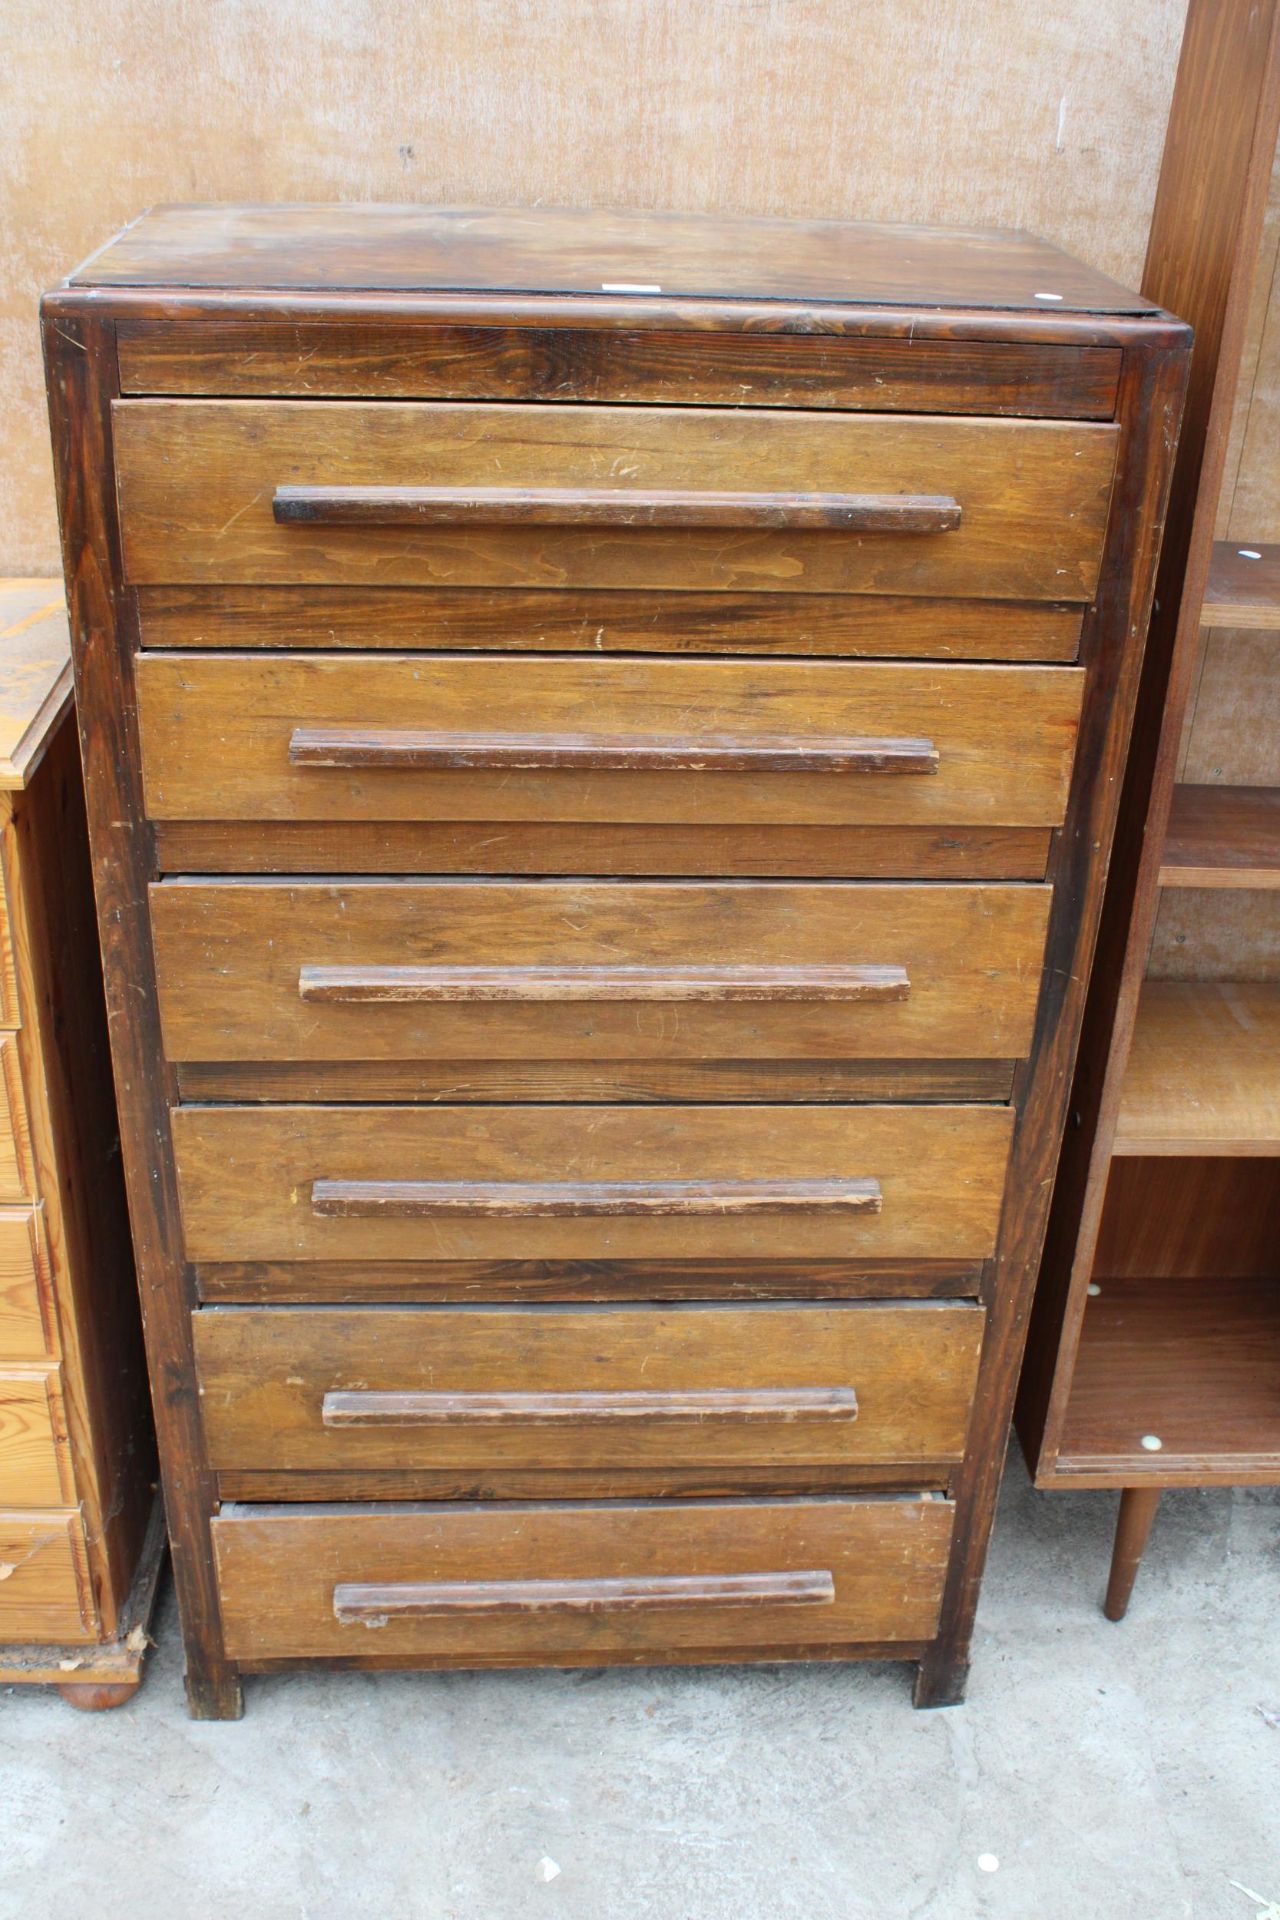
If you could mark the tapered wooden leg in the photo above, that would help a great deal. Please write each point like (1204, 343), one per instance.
(1133, 1530)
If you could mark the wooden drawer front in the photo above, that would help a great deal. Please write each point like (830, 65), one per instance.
(371, 970)
(17, 1178)
(518, 1582)
(610, 497)
(582, 1183)
(22, 1327)
(351, 737)
(393, 360)
(606, 620)
(574, 1387)
(31, 1464)
(44, 1590)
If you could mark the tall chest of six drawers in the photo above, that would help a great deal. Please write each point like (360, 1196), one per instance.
(602, 737)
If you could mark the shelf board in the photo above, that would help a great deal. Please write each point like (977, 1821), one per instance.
(1204, 1071)
(1193, 1363)
(1223, 837)
(1242, 592)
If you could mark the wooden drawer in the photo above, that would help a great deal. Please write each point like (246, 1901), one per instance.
(569, 1388)
(596, 970)
(360, 1184)
(421, 737)
(44, 1591)
(17, 1176)
(562, 1583)
(23, 1334)
(582, 496)
(33, 1469)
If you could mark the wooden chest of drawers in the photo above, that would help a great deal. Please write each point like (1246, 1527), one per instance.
(81, 1533)
(603, 738)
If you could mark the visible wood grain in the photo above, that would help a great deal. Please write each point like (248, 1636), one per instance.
(28, 1329)
(670, 507)
(785, 1480)
(1204, 1071)
(17, 1168)
(80, 365)
(71, 1130)
(585, 1199)
(763, 1405)
(197, 479)
(100, 1665)
(551, 619)
(230, 957)
(457, 1082)
(350, 360)
(1005, 738)
(44, 1594)
(572, 1389)
(35, 1469)
(1191, 1364)
(422, 751)
(567, 250)
(374, 1606)
(1133, 1528)
(1193, 1218)
(1242, 591)
(277, 1570)
(245, 1173)
(430, 986)
(35, 674)
(951, 852)
(1219, 153)
(536, 1282)
(1223, 837)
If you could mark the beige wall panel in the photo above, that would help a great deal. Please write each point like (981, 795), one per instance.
(1216, 934)
(1050, 118)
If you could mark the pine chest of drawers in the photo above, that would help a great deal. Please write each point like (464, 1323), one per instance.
(603, 735)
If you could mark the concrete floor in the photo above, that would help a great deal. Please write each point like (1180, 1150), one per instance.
(1115, 1773)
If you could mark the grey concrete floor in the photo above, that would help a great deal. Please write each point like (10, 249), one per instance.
(1115, 1773)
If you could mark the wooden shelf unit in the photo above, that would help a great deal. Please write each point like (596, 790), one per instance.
(1204, 1071)
(1244, 586)
(1223, 837)
(1154, 1353)
(1192, 1363)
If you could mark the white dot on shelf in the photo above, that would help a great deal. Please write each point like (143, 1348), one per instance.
(1248, 553)
(988, 1863)
(1048, 296)
(1152, 1442)
(1094, 1290)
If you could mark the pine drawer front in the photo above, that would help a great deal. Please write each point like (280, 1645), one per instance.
(369, 1184)
(23, 1332)
(509, 1583)
(44, 1595)
(594, 970)
(17, 1175)
(458, 494)
(570, 1388)
(34, 1468)
(418, 737)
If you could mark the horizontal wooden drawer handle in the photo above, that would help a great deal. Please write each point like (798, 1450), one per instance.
(557, 752)
(516, 1199)
(375, 1606)
(394, 986)
(612, 507)
(742, 1405)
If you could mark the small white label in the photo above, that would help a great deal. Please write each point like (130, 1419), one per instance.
(627, 286)
(1152, 1443)
(1248, 553)
(1048, 296)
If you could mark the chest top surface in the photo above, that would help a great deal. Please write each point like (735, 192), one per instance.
(550, 251)
(35, 673)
